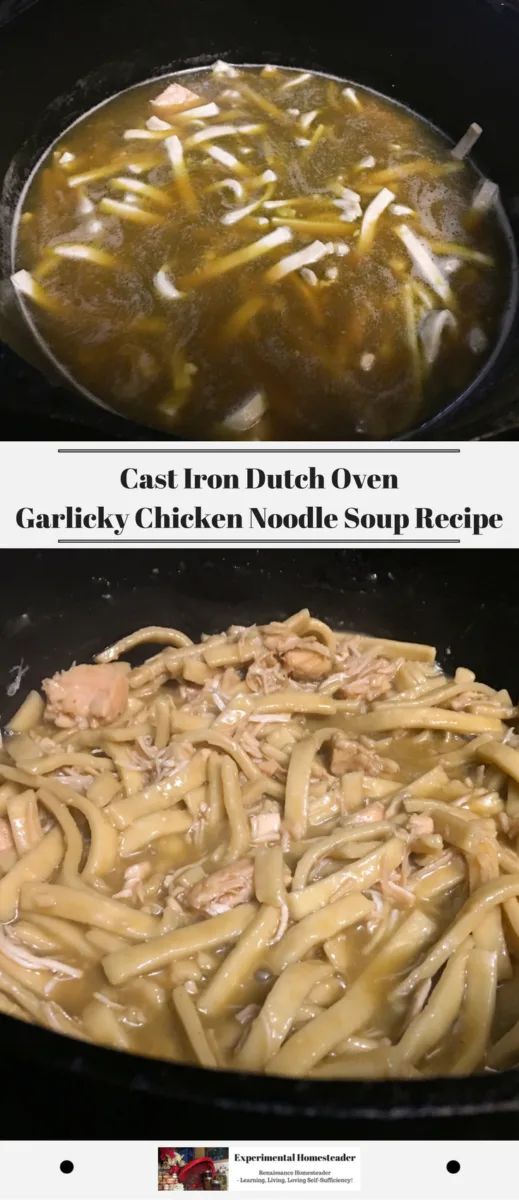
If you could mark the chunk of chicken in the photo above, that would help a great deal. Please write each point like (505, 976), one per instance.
(348, 755)
(86, 696)
(173, 98)
(266, 674)
(224, 889)
(304, 658)
(361, 675)
(305, 663)
(265, 827)
(420, 825)
(372, 683)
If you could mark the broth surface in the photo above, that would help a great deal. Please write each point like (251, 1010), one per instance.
(119, 218)
(281, 849)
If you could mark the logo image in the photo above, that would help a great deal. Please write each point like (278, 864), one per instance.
(193, 1169)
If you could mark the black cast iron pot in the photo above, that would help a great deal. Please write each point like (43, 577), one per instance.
(56, 606)
(452, 61)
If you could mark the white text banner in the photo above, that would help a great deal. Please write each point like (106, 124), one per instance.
(239, 495)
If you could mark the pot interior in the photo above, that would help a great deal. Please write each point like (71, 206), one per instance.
(64, 605)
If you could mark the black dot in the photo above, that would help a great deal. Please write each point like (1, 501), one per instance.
(66, 1166)
(453, 1167)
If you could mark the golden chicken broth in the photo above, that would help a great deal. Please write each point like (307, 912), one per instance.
(279, 849)
(157, 264)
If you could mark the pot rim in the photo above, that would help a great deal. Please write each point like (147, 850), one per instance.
(259, 1094)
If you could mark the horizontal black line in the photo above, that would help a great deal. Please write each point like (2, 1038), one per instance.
(250, 450)
(258, 541)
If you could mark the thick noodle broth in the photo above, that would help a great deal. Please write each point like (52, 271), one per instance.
(284, 239)
(281, 849)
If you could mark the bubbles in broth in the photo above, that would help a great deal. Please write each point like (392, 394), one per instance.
(263, 253)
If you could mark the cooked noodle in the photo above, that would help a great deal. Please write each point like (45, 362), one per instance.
(280, 849)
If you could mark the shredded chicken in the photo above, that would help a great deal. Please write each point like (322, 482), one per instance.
(134, 876)
(380, 909)
(266, 674)
(251, 745)
(160, 764)
(24, 958)
(86, 696)
(74, 779)
(349, 755)
(391, 889)
(363, 675)
(224, 889)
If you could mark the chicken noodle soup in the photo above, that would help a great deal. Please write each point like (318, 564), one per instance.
(279, 849)
(212, 253)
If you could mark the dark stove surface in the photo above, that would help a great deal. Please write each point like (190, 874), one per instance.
(33, 410)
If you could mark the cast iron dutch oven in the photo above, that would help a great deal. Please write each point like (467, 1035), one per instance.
(57, 606)
(453, 61)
